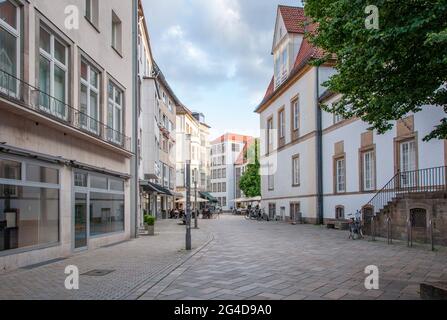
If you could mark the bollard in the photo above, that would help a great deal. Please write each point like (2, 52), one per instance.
(373, 228)
(409, 234)
(432, 240)
(388, 230)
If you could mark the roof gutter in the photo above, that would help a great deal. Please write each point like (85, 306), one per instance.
(319, 150)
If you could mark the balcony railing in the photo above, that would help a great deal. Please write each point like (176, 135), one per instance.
(417, 181)
(30, 97)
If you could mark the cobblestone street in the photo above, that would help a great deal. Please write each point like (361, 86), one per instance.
(235, 258)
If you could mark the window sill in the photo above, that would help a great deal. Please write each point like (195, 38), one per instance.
(117, 52)
(92, 24)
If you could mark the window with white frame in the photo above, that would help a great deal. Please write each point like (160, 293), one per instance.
(271, 177)
(296, 114)
(9, 47)
(368, 171)
(296, 170)
(92, 11)
(53, 74)
(269, 135)
(90, 93)
(340, 175)
(115, 113)
(407, 162)
(282, 124)
(116, 32)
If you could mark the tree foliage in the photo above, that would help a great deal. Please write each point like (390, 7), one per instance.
(250, 182)
(386, 73)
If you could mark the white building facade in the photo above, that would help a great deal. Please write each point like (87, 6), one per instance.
(317, 166)
(66, 122)
(193, 133)
(225, 151)
(157, 136)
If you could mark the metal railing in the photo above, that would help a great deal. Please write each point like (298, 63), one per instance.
(30, 97)
(424, 180)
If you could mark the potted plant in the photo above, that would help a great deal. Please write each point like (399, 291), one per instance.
(149, 224)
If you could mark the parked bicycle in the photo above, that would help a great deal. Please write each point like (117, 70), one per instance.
(355, 226)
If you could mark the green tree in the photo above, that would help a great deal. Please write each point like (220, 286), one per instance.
(250, 182)
(384, 73)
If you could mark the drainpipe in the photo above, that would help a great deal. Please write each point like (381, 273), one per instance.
(319, 153)
(134, 190)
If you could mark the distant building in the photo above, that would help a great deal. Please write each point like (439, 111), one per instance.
(157, 137)
(192, 123)
(225, 152)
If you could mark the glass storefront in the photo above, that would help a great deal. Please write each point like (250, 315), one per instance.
(29, 205)
(99, 206)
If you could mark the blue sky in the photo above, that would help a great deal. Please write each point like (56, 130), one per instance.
(216, 56)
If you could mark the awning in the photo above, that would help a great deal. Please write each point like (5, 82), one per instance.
(242, 200)
(208, 196)
(199, 200)
(153, 187)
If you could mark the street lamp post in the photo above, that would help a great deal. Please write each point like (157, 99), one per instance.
(188, 193)
(196, 223)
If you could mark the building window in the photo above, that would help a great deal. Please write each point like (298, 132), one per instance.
(116, 33)
(90, 93)
(271, 178)
(368, 174)
(340, 175)
(53, 75)
(224, 187)
(29, 209)
(224, 201)
(407, 162)
(92, 11)
(282, 124)
(296, 170)
(9, 47)
(269, 135)
(339, 212)
(296, 114)
(115, 114)
(224, 173)
(106, 197)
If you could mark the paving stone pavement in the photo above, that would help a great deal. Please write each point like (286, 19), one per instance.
(138, 265)
(237, 259)
(268, 260)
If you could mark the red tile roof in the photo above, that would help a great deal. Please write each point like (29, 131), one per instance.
(294, 18)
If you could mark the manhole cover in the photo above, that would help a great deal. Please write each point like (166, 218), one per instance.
(98, 273)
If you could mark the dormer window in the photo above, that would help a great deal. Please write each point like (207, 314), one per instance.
(281, 66)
